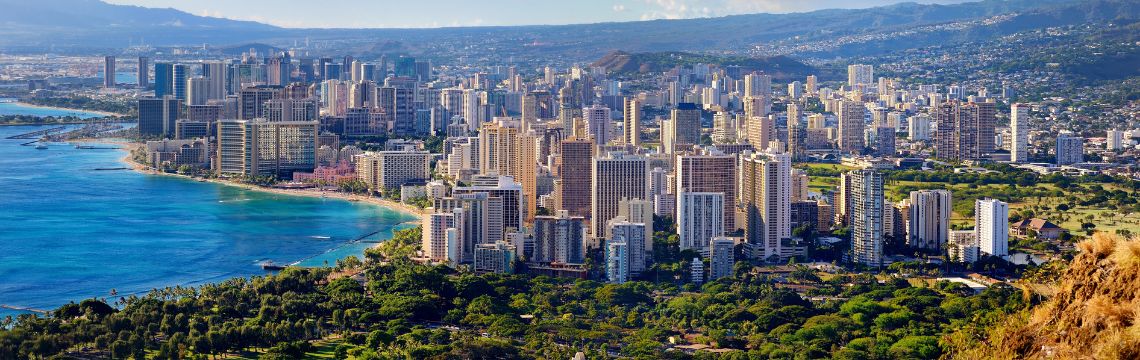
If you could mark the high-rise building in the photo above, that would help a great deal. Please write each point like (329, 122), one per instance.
(393, 169)
(559, 239)
(1070, 149)
(599, 125)
(620, 230)
(765, 194)
(721, 258)
(198, 91)
(526, 162)
(144, 72)
(851, 126)
(812, 84)
(405, 67)
(616, 176)
(965, 131)
(700, 218)
(930, 212)
(885, 141)
(795, 90)
(991, 227)
(506, 203)
(918, 127)
(181, 80)
(163, 80)
(109, 72)
(860, 74)
(291, 110)
(442, 238)
(617, 261)
(216, 72)
(683, 127)
(1019, 127)
(639, 212)
(261, 148)
(632, 118)
(575, 189)
(762, 131)
(498, 149)
(797, 133)
(157, 116)
(251, 101)
(867, 207)
(480, 216)
(1114, 140)
(758, 85)
(710, 171)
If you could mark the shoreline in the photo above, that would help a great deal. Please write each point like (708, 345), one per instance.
(128, 147)
(103, 113)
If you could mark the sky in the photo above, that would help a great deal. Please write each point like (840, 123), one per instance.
(451, 13)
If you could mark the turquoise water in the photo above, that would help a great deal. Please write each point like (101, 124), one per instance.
(126, 78)
(11, 108)
(67, 234)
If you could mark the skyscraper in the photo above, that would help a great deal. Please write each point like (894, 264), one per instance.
(700, 218)
(991, 227)
(599, 125)
(575, 190)
(498, 149)
(965, 131)
(197, 90)
(867, 217)
(860, 74)
(710, 171)
(157, 116)
(559, 239)
(797, 134)
(851, 126)
(180, 82)
(930, 212)
(144, 72)
(405, 67)
(766, 194)
(1019, 127)
(261, 148)
(683, 127)
(505, 203)
(442, 237)
(919, 127)
(163, 80)
(216, 72)
(761, 131)
(1070, 149)
(526, 162)
(109, 72)
(885, 141)
(616, 176)
(621, 230)
(1114, 140)
(632, 118)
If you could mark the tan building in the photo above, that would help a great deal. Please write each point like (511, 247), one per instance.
(710, 171)
(851, 127)
(616, 176)
(574, 189)
(392, 169)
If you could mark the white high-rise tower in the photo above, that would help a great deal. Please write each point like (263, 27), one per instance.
(1019, 126)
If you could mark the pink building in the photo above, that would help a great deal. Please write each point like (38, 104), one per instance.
(340, 172)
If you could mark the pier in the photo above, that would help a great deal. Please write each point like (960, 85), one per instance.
(37, 133)
(25, 309)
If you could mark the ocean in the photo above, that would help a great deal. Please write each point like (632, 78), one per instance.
(68, 233)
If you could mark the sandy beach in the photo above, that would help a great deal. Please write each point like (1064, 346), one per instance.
(104, 113)
(130, 146)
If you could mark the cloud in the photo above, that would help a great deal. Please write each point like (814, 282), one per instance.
(620, 8)
(257, 18)
(286, 23)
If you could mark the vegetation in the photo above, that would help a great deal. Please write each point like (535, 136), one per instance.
(129, 108)
(301, 313)
(38, 120)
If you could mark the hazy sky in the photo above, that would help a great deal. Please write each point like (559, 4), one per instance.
(443, 13)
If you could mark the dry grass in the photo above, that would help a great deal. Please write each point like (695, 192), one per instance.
(1094, 313)
(1101, 245)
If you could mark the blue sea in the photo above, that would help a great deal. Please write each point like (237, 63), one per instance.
(68, 233)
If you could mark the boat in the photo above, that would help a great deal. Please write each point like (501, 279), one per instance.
(41, 147)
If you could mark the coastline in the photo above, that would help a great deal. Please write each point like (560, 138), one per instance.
(128, 147)
(103, 113)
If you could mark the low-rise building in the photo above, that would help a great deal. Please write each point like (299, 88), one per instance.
(179, 152)
(1043, 228)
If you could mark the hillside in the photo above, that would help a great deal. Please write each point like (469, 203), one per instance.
(89, 14)
(1094, 312)
(780, 67)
